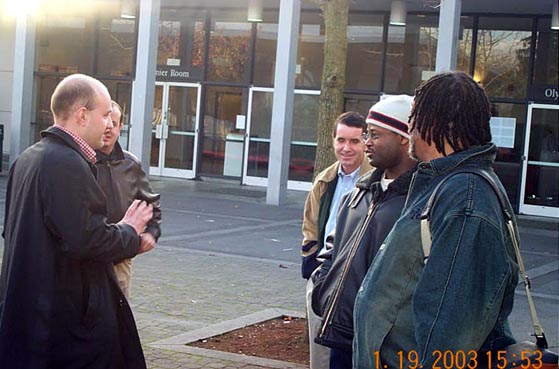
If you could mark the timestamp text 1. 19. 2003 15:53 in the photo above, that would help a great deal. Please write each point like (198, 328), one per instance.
(472, 359)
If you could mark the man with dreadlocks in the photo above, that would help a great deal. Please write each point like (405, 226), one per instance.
(409, 311)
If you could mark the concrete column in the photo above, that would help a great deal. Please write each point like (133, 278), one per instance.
(410, 61)
(449, 27)
(282, 110)
(143, 87)
(22, 92)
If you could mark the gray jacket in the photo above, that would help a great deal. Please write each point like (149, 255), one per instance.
(366, 216)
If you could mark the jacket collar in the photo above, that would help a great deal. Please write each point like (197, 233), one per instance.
(116, 154)
(331, 173)
(328, 174)
(482, 156)
(373, 177)
(64, 137)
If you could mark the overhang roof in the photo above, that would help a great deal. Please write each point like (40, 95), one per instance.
(520, 7)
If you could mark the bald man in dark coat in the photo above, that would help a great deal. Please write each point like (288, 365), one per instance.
(60, 304)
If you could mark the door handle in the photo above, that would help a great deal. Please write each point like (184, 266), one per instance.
(165, 131)
(158, 131)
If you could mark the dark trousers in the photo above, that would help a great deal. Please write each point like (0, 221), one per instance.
(340, 358)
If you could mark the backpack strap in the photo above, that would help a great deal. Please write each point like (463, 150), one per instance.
(426, 240)
(426, 213)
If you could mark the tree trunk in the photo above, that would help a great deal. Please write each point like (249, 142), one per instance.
(331, 101)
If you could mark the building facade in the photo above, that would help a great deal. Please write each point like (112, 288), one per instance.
(214, 79)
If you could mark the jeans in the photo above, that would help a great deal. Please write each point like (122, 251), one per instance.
(340, 358)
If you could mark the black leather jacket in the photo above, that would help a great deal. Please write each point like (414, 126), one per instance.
(364, 220)
(122, 179)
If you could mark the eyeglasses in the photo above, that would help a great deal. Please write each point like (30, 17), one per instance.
(365, 136)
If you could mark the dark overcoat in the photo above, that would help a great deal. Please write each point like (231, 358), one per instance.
(60, 304)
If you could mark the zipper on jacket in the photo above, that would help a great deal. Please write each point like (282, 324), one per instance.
(113, 183)
(337, 293)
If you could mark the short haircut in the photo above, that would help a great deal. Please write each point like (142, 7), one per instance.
(451, 107)
(350, 119)
(74, 91)
(114, 104)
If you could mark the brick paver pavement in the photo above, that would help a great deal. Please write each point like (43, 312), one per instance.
(176, 290)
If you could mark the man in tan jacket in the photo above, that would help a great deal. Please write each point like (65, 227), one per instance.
(321, 206)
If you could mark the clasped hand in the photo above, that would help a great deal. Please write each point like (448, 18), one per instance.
(138, 215)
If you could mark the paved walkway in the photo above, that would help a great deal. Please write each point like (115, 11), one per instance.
(220, 258)
(177, 290)
(225, 254)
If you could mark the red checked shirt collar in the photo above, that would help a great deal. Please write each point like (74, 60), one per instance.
(84, 147)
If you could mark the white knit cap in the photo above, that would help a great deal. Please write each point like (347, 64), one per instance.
(392, 113)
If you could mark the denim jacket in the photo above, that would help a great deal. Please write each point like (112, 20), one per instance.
(460, 300)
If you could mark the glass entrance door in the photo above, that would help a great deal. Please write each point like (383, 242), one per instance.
(303, 138)
(540, 180)
(223, 133)
(175, 129)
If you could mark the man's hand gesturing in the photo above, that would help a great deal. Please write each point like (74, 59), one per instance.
(137, 215)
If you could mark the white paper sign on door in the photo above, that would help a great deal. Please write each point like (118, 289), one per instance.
(502, 131)
(241, 119)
